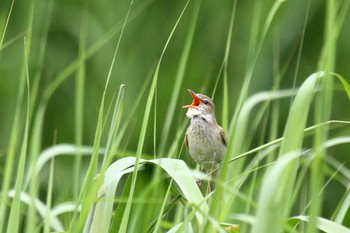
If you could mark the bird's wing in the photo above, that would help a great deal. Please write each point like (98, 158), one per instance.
(186, 138)
(223, 136)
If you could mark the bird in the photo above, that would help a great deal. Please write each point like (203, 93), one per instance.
(205, 139)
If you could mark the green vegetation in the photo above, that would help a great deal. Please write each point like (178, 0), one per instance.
(92, 125)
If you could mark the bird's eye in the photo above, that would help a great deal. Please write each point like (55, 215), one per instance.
(205, 102)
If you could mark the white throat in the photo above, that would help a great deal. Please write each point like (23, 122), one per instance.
(192, 112)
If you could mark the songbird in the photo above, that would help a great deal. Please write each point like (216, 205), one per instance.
(205, 139)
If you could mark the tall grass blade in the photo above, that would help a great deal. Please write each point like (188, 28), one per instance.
(39, 29)
(16, 120)
(294, 130)
(176, 169)
(104, 207)
(243, 126)
(40, 207)
(307, 131)
(225, 70)
(345, 84)
(89, 190)
(271, 199)
(69, 69)
(79, 99)
(343, 209)
(292, 141)
(323, 109)
(293, 133)
(49, 198)
(11, 154)
(125, 220)
(3, 30)
(180, 74)
(13, 222)
(256, 45)
(231, 152)
(113, 129)
(118, 215)
(56, 150)
(325, 225)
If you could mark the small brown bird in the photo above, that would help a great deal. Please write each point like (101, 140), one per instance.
(205, 139)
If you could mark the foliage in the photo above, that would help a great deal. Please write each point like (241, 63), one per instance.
(81, 155)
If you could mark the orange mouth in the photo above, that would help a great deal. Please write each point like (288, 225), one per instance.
(196, 101)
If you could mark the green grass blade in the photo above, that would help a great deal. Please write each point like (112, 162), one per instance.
(183, 177)
(156, 226)
(125, 220)
(242, 129)
(323, 109)
(89, 190)
(243, 122)
(123, 226)
(113, 129)
(343, 206)
(345, 84)
(168, 206)
(36, 136)
(13, 222)
(15, 126)
(11, 154)
(176, 169)
(180, 74)
(225, 70)
(278, 165)
(271, 199)
(118, 215)
(66, 72)
(255, 47)
(307, 131)
(294, 130)
(40, 207)
(215, 210)
(325, 225)
(57, 150)
(292, 141)
(343, 209)
(3, 31)
(79, 99)
(39, 30)
(103, 211)
(63, 208)
(49, 199)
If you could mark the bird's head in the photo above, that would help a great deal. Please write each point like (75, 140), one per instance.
(202, 106)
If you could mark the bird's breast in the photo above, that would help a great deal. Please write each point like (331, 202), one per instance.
(204, 142)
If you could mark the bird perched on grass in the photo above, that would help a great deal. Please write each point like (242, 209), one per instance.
(205, 139)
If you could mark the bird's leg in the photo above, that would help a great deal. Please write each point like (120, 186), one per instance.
(199, 183)
(211, 185)
(212, 180)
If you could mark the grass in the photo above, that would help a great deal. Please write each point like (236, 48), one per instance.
(134, 175)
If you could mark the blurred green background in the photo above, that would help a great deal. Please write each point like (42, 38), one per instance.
(144, 38)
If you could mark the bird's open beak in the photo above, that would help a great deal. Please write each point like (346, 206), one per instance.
(196, 101)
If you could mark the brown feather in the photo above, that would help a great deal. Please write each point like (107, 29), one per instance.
(223, 136)
(186, 138)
